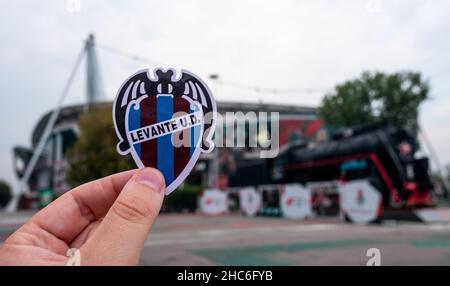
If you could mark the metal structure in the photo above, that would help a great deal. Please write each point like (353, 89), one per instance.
(93, 78)
(93, 94)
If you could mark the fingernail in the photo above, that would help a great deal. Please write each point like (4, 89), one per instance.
(152, 178)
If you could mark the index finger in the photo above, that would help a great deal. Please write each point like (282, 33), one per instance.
(67, 216)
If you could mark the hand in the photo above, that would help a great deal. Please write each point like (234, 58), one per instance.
(108, 220)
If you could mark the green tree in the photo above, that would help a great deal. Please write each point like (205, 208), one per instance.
(94, 153)
(5, 193)
(375, 97)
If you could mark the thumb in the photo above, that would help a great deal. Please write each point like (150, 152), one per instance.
(120, 237)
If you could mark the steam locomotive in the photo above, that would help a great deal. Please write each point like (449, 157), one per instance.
(381, 153)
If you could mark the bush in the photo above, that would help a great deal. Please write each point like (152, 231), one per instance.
(94, 154)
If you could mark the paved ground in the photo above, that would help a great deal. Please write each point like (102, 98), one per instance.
(237, 240)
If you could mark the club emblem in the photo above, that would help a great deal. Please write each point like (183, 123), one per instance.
(165, 121)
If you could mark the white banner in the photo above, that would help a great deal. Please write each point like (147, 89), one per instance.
(214, 202)
(360, 201)
(295, 201)
(250, 201)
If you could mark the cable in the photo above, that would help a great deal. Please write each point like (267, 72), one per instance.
(50, 124)
(430, 147)
(218, 81)
(268, 89)
(127, 55)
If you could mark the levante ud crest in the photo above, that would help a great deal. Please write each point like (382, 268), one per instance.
(165, 121)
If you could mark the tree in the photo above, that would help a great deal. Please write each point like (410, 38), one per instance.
(376, 97)
(5, 193)
(94, 153)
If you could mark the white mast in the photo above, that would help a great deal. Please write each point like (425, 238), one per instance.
(93, 79)
(93, 94)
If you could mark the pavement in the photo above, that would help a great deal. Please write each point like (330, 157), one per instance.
(194, 239)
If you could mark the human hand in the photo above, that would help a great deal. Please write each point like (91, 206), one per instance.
(108, 220)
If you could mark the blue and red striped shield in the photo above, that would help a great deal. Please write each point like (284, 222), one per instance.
(163, 123)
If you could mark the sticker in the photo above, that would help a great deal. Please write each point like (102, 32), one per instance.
(165, 121)
(296, 202)
(214, 202)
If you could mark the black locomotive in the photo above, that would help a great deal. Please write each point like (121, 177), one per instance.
(381, 153)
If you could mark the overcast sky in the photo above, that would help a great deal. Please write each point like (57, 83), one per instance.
(278, 44)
